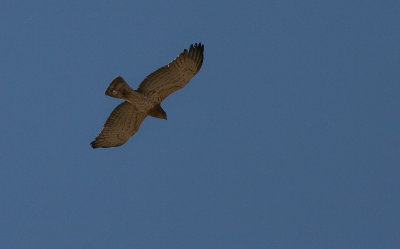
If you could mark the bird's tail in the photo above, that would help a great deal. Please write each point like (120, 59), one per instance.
(118, 88)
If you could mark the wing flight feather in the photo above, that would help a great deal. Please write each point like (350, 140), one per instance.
(123, 122)
(175, 75)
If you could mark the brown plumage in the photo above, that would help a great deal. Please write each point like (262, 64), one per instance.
(124, 121)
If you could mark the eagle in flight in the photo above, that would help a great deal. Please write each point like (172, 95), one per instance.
(125, 119)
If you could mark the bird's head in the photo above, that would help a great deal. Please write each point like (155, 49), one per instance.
(158, 112)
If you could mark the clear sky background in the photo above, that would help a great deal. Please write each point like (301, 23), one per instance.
(288, 137)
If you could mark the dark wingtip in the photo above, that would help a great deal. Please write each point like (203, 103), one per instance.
(93, 144)
(197, 52)
(197, 45)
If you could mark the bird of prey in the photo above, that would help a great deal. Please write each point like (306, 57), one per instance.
(125, 119)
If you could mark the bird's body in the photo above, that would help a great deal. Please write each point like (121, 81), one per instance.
(125, 119)
(120, 89)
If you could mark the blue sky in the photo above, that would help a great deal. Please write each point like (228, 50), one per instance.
(288, 137)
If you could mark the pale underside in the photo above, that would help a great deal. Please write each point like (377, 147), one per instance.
(125, 119)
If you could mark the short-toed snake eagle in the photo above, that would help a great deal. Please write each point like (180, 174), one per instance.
(125, 119)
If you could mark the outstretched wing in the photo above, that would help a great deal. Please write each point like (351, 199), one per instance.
(175, 75)
(123, 122)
